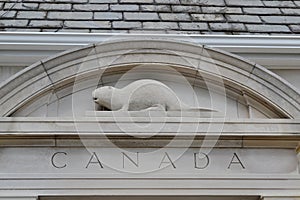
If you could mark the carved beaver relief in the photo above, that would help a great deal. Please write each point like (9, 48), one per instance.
(141, 95)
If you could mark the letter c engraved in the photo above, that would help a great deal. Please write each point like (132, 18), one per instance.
(53, 163)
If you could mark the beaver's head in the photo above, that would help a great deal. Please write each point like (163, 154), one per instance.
(103, 95)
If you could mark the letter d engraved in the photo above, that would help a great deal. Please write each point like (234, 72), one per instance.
(197, 160)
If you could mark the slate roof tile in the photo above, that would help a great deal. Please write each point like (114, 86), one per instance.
(152, 16)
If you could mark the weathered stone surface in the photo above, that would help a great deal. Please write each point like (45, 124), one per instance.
(126, 25)
(137, 1)
(193, 26)
(227, 26)
(244, 3)
(124, 7)
(290, 11)
(21, 6)
(45, 23)
(13, 23)
(167, 1)
(52, 6)
(295, 28)
(210, 2)
(103, 1)
(31, 15)
(279, 3)
(187, 9)
(243, 18)
(140, 16)
(87, 24)
(156, 8)
(229, 10)
(267, 28)
(92, 7)
(160, 25)
(108, 15)
(262, 11)
(281, 19)
(174, 17)
(208, 17)
(8, 14)
(70, 15)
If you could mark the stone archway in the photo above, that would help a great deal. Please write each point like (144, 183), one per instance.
(271, 96)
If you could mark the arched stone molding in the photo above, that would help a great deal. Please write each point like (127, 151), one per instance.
(193, 61)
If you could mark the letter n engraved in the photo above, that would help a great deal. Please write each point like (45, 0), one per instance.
(204, 159)
(54, 164)
(136, 163)
(236, 160)
(94, 160)
(163, 161)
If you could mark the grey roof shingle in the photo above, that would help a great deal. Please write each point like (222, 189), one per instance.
(152, 16)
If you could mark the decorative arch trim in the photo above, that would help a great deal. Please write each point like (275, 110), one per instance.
(189, 58)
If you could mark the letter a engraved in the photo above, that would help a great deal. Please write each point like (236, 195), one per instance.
(167, 162)
(198, 158)
(95, 157)
(136, 163)
(235, 160)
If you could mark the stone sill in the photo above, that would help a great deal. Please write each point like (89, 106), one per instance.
(220, 133)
